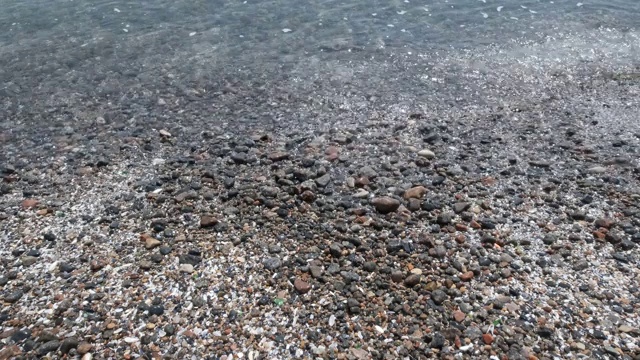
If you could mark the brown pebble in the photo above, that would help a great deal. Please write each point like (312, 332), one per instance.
(385, 204)
(458, 316)
(302, 287)
(415, 192)
(487, 338)
(208, 221)
(278, 156)
(308, 196)
(84, 348)
(10, 352)
(467, 276)
(29, 203)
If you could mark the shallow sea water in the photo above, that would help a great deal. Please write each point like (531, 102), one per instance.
(305, 57)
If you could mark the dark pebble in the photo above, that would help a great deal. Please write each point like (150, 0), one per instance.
(68, 344)
(48, 347)
(437, 341)
(272, 263)
(13, 297)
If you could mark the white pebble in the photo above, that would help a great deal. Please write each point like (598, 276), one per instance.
(130, 339)
(426, 153)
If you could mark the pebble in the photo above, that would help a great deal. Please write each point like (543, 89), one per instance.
(385, 204)
(412, 280)
(186, 268)
(426, 153)
(272, 263)
(48, 347)
(13, 297)
(302, 287)
(207, 221)
(458, 316)
(416, 192)
(597, 170)
(151, 243)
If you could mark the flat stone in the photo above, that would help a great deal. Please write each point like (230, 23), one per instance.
(597, 170)
(278, 156)
(186, 268)
(385, 204)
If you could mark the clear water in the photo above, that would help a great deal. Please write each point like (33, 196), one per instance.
(396, 52)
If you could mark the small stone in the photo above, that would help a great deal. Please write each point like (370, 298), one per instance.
(29, 203)
(96, 265)
(302, 287)
(84, 348)
(461, 207)
(208, 221)
(13, 297)
(487, 338)
(145, 264)
(10, 352)
(68, 344)
(308, 196)
(625, 328)
(467, 276)
(396, 276)
(151, 243)
(426, 153)
(437, 341)
(323, 180)
(458, 316)
(48, 347)
(278, 156)
(186, 268)
(412, 280)
(272, 263)
(597, 170)
(165, 133)
(316, 271)
(416, 192)
(385, 204)
(28, 261)
(438, 296)
(336, 250)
